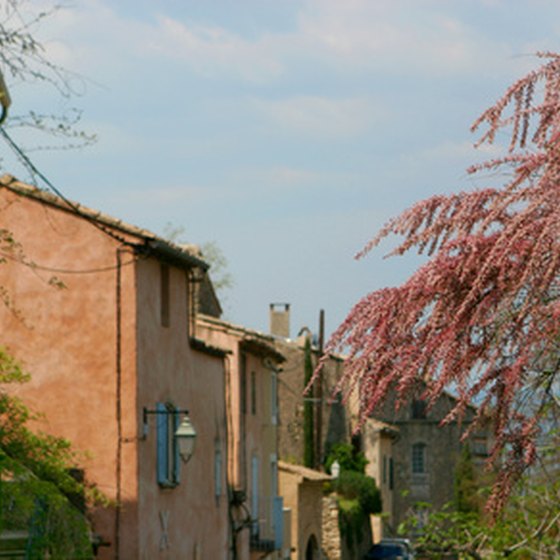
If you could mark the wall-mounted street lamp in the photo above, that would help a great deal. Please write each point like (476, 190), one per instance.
(5, 99)
(335, 469)
(185, 434)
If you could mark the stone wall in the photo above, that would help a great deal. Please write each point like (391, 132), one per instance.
(334, 545)
(331, 545)
(335, 423)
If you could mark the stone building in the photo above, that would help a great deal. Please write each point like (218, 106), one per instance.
(420, 465)
(332, 424)
(410, 455)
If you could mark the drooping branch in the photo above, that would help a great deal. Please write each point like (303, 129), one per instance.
(483, 314)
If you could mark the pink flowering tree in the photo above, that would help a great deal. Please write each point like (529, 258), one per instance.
(482, 316)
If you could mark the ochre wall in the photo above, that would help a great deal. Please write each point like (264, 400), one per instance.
(170, 371)
(96, 351)
(67, 337)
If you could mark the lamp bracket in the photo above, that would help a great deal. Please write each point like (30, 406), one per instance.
(174, 411)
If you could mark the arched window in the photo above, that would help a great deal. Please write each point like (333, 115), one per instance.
(419, 458)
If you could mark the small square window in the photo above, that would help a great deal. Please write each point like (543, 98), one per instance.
(274, 398)
(419, 411)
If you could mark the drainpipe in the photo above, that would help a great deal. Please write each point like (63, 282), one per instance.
(319, 395)
(118, 410)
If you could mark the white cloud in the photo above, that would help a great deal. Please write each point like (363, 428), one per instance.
(403, 36)
(400, 36)
(214, 51)
(322, 117)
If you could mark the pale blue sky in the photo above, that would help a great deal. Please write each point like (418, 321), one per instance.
(286, 131)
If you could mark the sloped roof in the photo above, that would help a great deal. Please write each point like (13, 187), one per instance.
(253, 341)
(380, 426)
(147, 241)
(304, 472)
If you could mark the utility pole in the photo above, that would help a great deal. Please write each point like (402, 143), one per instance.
(318, 390)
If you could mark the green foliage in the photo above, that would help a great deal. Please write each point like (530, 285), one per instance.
(354, 485)
(351, 521)
(36, 480)
(466, 494)
(528, 527)
(55, 528)
(219, 267)
(24, 60)
(211, 252)
(348, 458)
(308, 419)
(358, 495)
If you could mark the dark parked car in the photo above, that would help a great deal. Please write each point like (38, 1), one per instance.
(391, 549)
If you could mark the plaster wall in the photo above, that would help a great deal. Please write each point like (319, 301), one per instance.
(253, 428)
(378, 449)
(190, 517)
(66, 337)
(98, 354)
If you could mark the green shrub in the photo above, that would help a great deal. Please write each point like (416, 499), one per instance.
(347, 457)
(354, 485)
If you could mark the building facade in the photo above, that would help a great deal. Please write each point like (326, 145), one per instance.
(100, 314)
(420, 464)
(253, 370)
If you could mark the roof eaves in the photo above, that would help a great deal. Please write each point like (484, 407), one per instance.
(150, 243)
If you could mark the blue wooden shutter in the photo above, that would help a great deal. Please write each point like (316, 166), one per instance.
(162, 443)
(255, 495)
(176, 455)
(278, 520)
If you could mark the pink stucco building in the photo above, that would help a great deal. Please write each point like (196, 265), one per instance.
(102, 316)
(253, 369)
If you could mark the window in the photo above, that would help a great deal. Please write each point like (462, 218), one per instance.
(391, 474)
(479, 447)
(253, 392)
(384, 476)
(419, 409)
(168, 461)
(274, 474)
(164, 294)
(243, 384)
(274, 398)
(419, 458)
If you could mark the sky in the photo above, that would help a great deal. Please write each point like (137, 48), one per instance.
(287, 132)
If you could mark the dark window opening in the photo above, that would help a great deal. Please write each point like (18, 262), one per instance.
(164, 294)
(243, 384)
(253, 393)
(356, 443)
(384, 476)
(419, 411)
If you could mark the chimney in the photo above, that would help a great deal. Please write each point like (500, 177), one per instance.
(280, 319)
